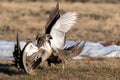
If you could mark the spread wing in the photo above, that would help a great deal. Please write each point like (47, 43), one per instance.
(57, 26)
(60, 28)
(54, 16)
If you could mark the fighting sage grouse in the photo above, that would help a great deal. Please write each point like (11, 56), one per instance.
(53, 39)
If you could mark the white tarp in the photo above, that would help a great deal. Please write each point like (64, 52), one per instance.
(95, 50)
(7, 48)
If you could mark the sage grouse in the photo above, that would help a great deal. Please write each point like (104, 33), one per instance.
(52, 40)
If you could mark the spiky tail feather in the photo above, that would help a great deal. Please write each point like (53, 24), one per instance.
(17, 54)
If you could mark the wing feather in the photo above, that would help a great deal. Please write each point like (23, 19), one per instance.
(54, 16)
(61, 27)
(66, 21)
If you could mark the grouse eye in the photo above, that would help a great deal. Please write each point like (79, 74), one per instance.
(51, 37)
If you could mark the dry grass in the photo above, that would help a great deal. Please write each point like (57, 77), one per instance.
(89, 69)
(96, 22)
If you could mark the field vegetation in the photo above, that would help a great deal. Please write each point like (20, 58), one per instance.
(96, 22)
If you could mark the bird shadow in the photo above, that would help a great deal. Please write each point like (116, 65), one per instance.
(10, 70)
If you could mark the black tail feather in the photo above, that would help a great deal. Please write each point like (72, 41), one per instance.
(17, 53)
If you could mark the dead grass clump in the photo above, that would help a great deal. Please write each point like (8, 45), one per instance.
(95, 1)
(94, 16)
(6, 29)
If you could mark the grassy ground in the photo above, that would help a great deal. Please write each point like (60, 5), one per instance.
(96, 22)
(89, 69)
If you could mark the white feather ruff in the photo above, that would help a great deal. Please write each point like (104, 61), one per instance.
(30, 49)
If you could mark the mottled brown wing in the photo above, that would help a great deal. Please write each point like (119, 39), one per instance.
(26, 62)
(54, 16)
